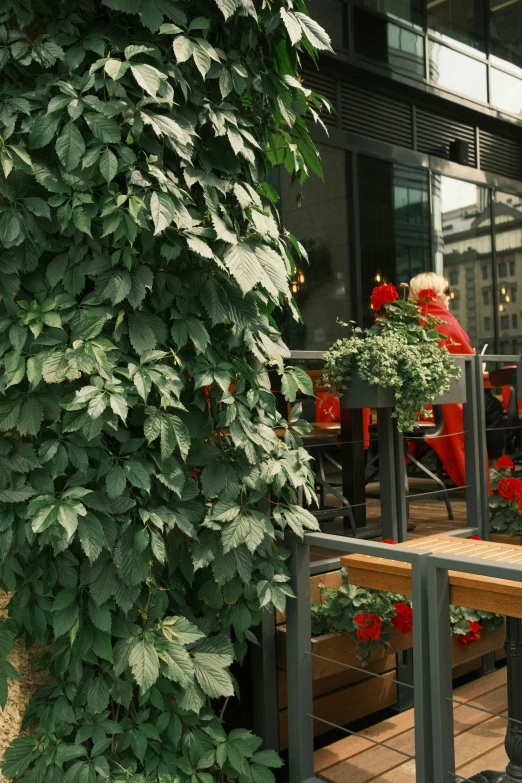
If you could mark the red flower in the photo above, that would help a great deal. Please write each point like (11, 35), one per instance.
(427, 294)
(510, 488)
(473, 635)
(195, 473)
(370, 627)
(476, 538)
(388, 541)
(383, 294)
(505, 462)
(403, 618)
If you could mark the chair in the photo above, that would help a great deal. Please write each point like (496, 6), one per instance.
(423, 431)
(431, 429)
(505, 378)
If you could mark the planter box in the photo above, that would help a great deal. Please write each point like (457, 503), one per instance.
(361, 394)
(344, 695)
(500, 538)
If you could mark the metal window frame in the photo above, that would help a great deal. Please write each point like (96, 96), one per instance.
(431, 35)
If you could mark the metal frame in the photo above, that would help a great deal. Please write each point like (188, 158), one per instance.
(437, 573)
(432, 671)
(487, 107)
(299, 655)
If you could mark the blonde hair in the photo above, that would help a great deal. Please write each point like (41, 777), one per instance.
(426, 280)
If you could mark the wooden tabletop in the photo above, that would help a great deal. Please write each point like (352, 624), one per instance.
(479, 592)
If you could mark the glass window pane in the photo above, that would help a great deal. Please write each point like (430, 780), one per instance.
(322, 287)
(409, 10)
(508, 246)
(506, 91)
(463, 20)
(387, 43)
(330, 15)
(462, 236)
(505, 30)
(395, 199)
(456, 72)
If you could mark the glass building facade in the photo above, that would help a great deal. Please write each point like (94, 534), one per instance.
(422, 166)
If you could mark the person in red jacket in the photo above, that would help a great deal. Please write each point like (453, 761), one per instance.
(432, 293)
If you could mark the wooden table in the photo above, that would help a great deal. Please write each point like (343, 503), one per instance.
(486, 593)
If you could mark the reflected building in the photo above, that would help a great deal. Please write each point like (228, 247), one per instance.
(422, 164)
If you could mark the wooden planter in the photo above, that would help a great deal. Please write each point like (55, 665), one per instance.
(361, 394)
(500, 538)
(344, 695)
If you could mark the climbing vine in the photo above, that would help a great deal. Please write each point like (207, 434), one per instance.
(141, 258)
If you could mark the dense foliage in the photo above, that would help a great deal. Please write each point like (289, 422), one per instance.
(505, 501)
(141, 259)
(399, 351)
(368, 616)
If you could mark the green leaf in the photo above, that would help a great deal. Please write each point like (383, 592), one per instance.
(103, 128)
(90, 533)
(314, 32)
(70, 146)
(144, 663)
(214, 680)
(183, 48)
(43, 130)
(37, 206)
(162, 211)
(148, 78)
(97, 695)
(108, 165)
(247, 528)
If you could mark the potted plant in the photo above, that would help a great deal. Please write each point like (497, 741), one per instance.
(396, 363)
(505, 503)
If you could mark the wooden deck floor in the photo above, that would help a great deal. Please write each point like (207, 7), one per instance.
(427, 514)
(479, 740)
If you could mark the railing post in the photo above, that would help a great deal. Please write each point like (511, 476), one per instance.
(421, 672)
(299, 664)
(441, 673)
(387, 474)
(475, 448)
(513, 649)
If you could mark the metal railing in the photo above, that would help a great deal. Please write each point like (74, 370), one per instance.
(299, 654)
(432, 667)
(264, 656)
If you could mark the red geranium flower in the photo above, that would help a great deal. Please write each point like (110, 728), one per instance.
(476, 538)
(473, 635)
(427, 294)
(388, 541)
(383, 294)
(505, 462)
(370, 627)
(403, 618)
(510, 488)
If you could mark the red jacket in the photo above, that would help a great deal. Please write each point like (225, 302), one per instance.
(450, 450)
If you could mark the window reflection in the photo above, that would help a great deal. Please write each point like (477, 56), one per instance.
(387, 43)
(463, 20)
(505, 30)
(409, 10)
(456, 72)
(462, 231)
(508, 247)
(506, 91)
(322, 286)
(394, 224)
